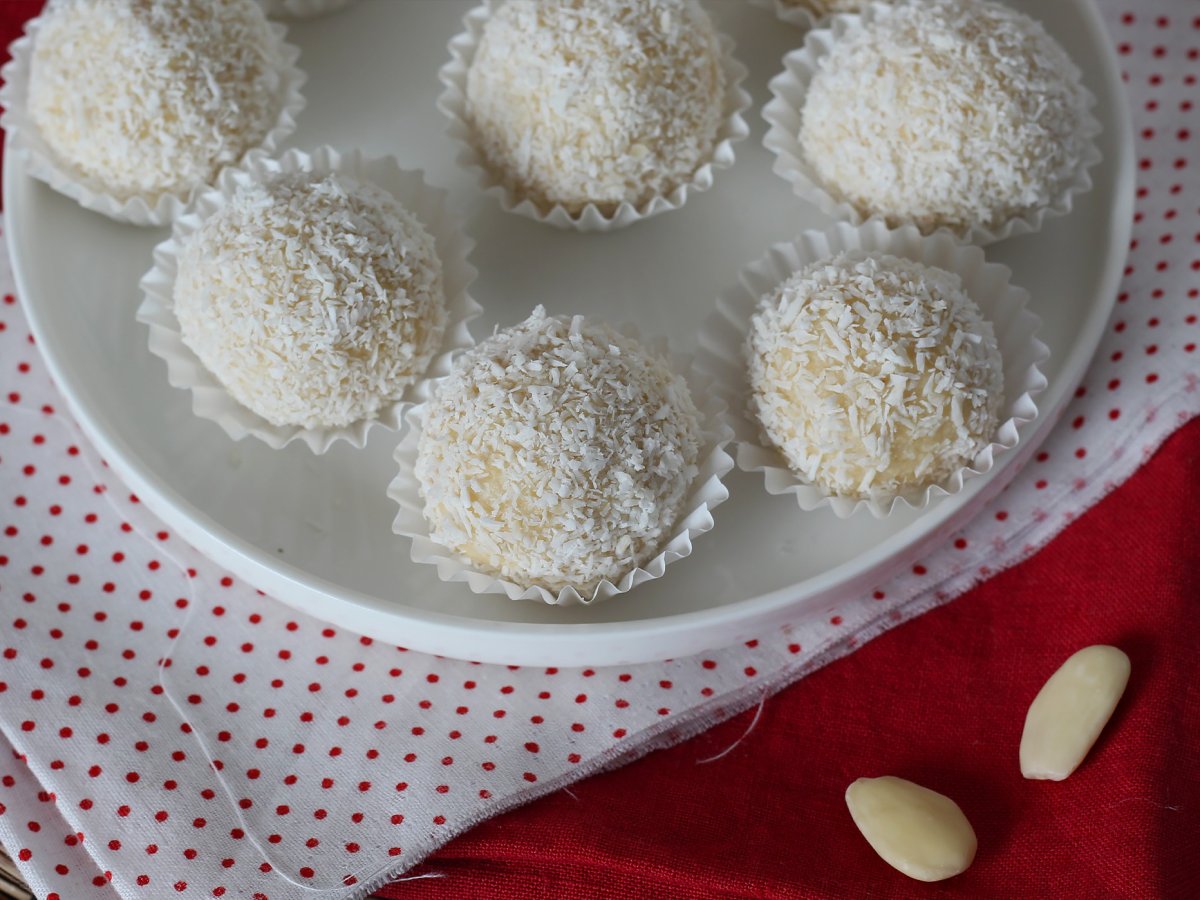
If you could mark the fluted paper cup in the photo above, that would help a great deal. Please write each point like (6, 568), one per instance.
(210, 399)
(722, 354)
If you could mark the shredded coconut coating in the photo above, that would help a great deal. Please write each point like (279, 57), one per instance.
(874, 375)
(558, 453)
(149, 97)
(946, 113)
(596, 101)
(315, 300)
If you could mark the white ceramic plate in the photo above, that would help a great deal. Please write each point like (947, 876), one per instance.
(316, 531)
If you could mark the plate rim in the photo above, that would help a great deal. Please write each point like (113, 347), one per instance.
(599, 643)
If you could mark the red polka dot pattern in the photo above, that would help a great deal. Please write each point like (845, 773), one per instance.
(168, 730)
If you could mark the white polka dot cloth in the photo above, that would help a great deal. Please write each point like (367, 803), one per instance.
(273, 756)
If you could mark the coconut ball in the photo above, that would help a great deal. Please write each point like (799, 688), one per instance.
(150, 97)
(558, 453)
(314, 299)
(873, 375)
(596, 101)
(951, 113)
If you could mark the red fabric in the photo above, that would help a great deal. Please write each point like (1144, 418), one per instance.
(941, 701)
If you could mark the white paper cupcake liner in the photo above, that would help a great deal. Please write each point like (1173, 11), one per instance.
(783, 114)
(22, 137)
(722, 351)
(708, 492)
(210, 400)
(301, 9)
(453, 104)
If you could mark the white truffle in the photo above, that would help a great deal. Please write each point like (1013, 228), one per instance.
(314, 300)
(596, 101)
(558, 453)
(873, 375)
(950, 113)
(147, 97)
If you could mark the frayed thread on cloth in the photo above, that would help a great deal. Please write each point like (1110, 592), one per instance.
(745, 734)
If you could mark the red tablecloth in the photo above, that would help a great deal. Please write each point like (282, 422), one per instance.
(940, 700)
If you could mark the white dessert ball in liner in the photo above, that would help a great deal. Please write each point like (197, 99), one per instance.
(564, 538)
(211, 399)
(454, 103)
(213, 140)
(302, 9)
(1038, 168)
(723, 352)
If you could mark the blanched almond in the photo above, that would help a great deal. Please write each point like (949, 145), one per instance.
(918, 831)
(1071, 710)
